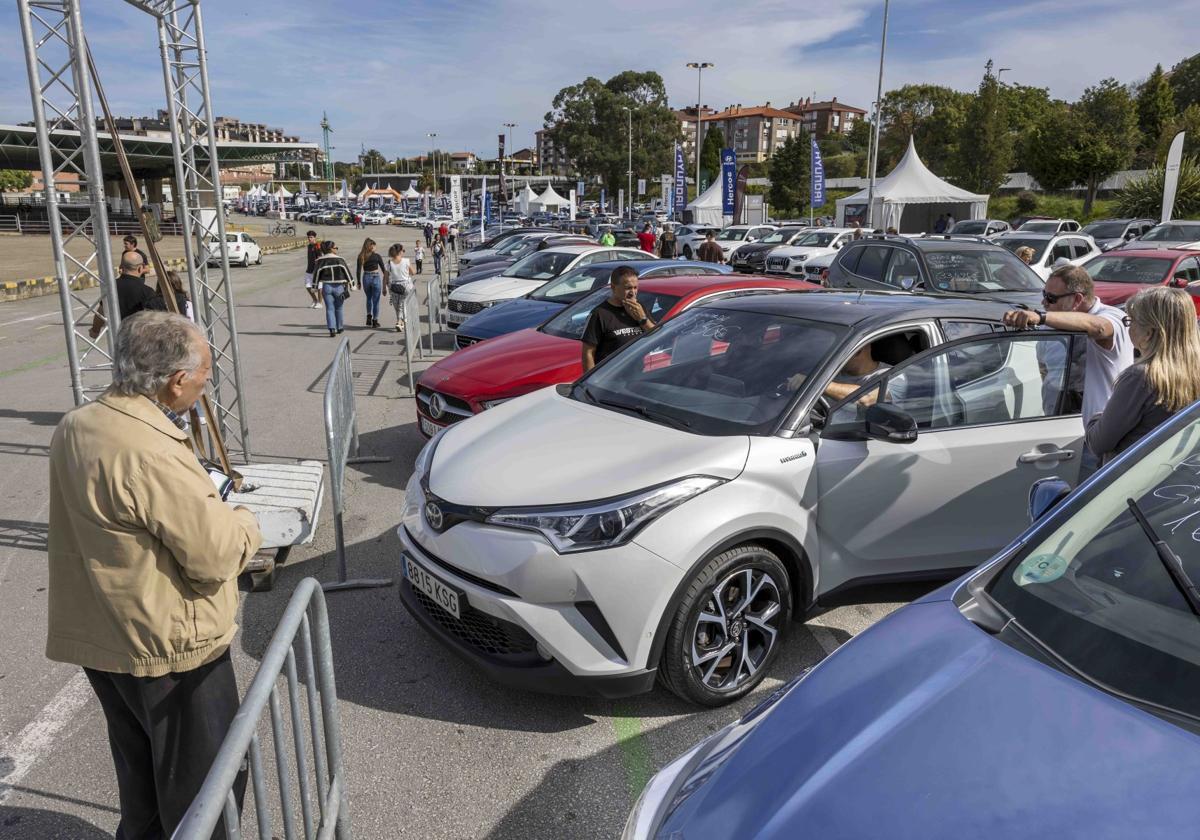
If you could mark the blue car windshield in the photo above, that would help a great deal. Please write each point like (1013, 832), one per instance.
(1094, 591)
(573, 285)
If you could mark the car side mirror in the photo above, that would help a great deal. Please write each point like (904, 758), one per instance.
(887, 423)
(1045, 494)
(907, 283)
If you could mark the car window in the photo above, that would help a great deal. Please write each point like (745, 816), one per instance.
(955, 330)
(1080, 247)
(1094, 590)
(903, 271)
(570, 322)
(1000, 378)
(873, 261)
(1190, 269)
(1061, 251)
(542, 265)
(575, 283)
(979, 271)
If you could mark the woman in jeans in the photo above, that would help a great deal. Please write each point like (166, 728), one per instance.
(1166, 378)
(370, 276)
(400, 282)
(332, 276)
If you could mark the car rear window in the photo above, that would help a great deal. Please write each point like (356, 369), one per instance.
(1119, 269)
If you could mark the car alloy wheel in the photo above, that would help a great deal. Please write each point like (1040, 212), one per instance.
(728, 627)
(246, 261)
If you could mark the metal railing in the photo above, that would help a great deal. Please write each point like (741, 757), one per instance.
(15, 224)
(341, 435)
(306, 620)
(412, 334)
(434, 304)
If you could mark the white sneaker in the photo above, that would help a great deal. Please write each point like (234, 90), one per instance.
(315, 306)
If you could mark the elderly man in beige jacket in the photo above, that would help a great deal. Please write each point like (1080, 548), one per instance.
(144, 558)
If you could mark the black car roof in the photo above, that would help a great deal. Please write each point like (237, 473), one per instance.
(835, 306)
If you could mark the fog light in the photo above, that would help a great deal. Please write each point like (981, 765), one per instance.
(542, 652)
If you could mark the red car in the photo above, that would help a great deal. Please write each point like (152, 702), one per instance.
(1119, 275)
(477, 377)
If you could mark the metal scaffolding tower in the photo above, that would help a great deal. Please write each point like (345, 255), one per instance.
(197, 193)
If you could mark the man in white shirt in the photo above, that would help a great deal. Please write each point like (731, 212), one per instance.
(1072, 305)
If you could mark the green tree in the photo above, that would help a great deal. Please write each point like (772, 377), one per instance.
(1185, 82)
(12, 180)
(790, 176)
(985, 141)
(710, 154)
(1155, 112)
(1143, 196)
(374, 161)
(425, 182)
(1027, 109)
(589, 122)
(932, 115)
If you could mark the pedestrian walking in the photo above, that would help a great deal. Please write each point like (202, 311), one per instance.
(144, 557)
(709, 250)
(453, 240)
(607, 238)
(370, 272)
(1164, 379)
(333, 278)
(181, 298)
(668, 244)
(647, 239)
(428, 231)
(1072, 305)
(312, 250)
(419, 255)
(133, 295)
(400, 282)
(443, 231)
(439, 254)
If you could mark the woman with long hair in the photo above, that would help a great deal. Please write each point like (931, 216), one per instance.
(370, 275)
(1165, 379)
(332, 276)
(400, 282)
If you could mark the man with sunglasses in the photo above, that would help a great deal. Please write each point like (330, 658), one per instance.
(1072, 306)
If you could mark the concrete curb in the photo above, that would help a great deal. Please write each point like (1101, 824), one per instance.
(38, 286)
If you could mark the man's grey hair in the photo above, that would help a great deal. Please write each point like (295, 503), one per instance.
(1076, 279)
(151, 347)
(131, 260)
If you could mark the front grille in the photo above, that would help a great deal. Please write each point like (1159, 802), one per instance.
(777, 263)
(456, 409)
(462, 341)
(814, 270)
(466, 307)
(478, 630)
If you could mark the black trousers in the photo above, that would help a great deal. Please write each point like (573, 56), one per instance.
(164, 733)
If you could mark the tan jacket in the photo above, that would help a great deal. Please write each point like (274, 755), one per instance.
(144, 556)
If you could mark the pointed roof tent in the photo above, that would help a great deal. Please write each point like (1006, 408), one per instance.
(282, 192)
(911, 198)
(707, 208)
(411, 191)
(549, 198)
(524, 198)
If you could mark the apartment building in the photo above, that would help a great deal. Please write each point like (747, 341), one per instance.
(687, 123)
(552, 159)
(827, 117)
(753, 133)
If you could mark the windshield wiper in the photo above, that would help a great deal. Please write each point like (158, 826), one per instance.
(1169, 558)
(642, 411)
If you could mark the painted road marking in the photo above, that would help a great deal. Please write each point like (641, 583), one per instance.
(20, 753)
(30, 318)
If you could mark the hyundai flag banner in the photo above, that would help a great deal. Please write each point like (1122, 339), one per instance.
(579, 189)
(728, 181)
(816, 194)
(680, 180)
(456, 203)
(603, 204)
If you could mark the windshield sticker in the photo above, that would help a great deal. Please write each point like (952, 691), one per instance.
(1040, 568)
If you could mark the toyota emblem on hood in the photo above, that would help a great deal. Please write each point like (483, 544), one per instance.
(434, 514)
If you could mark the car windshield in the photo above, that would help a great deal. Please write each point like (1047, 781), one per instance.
(574, 284)
(781, 235)
(1040, 227)
(1012, 243)
(715, 371)
(514, 245)
(1173, 232)
(1095, 592)
(980, 271)
(543, 265)
(1120, 269)
(1105, 230)
(570, 322)
(816, 239)
(971, 226)
(733, 234)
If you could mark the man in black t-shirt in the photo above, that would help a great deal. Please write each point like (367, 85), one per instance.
(133, 295)
(616, 321)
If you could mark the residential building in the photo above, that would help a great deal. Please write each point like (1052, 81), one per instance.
(522, 162)
(552, 159)
(687, 123)
(463, 161)
(753, 133)
(826, 117)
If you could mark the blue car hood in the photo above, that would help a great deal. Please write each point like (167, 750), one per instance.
(926, 727)
(507, 317)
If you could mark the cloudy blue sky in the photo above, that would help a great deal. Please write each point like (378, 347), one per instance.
(388, 72)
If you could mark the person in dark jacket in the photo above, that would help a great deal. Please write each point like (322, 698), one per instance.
(1166, 377)
(313, 251)
(133, 295)
(668, 244)
(333, 278)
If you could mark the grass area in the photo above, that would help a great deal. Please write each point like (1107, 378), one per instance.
(1057, 206)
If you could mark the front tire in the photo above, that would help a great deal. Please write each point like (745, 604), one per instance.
(258, 261)
(687, 252)
(245, 260)
(729, 627)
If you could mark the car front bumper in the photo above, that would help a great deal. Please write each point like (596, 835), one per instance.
(572, 623)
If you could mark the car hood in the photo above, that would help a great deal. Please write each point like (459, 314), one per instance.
(929, 726)
(494, 288)
(507, 317)
(755, 249)
(1118, 294)
(797, 251)
(485, 268)
(547, 449)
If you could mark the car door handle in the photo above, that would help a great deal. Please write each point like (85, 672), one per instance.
(1038, 456)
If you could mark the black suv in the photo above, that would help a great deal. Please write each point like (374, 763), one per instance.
(936, 265)
(752, 257)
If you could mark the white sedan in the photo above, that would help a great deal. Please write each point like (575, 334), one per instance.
(735, 236)
(689, 237)
(821, 242)
(1051, 248)
(243, 250)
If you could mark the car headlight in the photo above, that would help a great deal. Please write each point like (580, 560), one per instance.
(493, 403)
(425, 456)
(592, 525)
(669, 787)
(800, 258)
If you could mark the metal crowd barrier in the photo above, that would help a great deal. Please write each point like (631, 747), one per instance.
(433, 303)
(341, 434)
(412, 334)
(305, 617)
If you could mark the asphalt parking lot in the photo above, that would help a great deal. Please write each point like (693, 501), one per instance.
(433, 749)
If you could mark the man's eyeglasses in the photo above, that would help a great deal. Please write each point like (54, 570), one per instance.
(1126, 320)
(1049, 298)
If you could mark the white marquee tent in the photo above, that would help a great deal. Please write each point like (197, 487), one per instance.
(410, 192)
(344, 192)
(547, 199)
(282, 192)
(706, 208)
(524, 199)
(911, 198)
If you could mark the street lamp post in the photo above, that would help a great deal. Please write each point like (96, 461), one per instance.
(878, 105)
(629, 169)
(699, 67)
